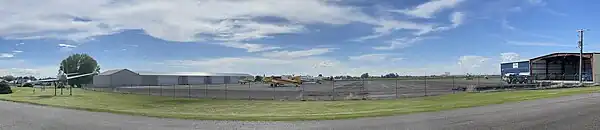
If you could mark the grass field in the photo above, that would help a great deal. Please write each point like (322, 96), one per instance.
(207, 109)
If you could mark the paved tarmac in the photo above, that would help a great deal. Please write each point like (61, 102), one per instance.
(572, 112)
(380, 89)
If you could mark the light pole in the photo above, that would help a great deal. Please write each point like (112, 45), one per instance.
(581, 54)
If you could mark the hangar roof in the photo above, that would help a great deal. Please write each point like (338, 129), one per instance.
(110, 72)
(191, 74)
(561, 54)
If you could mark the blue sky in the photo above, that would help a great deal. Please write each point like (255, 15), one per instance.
(332, 37)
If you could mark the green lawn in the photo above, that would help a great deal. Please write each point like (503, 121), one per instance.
(271, 110)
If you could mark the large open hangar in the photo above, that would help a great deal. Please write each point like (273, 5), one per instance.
(125, 77)
(565, 67)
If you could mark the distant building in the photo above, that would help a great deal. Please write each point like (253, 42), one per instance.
(125, 77)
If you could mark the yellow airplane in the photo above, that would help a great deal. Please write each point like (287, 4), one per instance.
(275, 81)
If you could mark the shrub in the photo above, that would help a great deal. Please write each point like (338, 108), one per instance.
(27, 85)
(5, 88)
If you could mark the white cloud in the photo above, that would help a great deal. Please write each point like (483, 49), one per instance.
(370, 57)
(510, 57)
(17, 51)
(330, 66)
(67, 45)
(515, 9)
(550, 44)
(260, 66)
(297, 54)
(537, 2)
(457, 18)
(386, 27)
(6, 55)
(39, 72)
(553, 12)
(506, 25)
(249, 47)
(401, 43)
(477, 65)
(180, 20)
(429, 9)
(18, 44)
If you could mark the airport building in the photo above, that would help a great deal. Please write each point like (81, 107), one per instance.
(565, 67)
(125, 77)
(557, 67)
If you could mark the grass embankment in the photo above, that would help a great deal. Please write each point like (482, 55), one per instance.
(272, 110)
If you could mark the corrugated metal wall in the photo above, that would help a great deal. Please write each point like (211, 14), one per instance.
(234, 79)
(101, 81)
(196, 80)
(125, 78)
(168, 80)
(217, 79)
(149, 80)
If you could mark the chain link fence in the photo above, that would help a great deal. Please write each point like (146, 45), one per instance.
(355, 89)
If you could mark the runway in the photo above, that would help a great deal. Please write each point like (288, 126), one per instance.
(375, 89)
(572, 112)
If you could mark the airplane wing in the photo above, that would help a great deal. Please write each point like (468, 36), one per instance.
(78, 76)
(45, 80)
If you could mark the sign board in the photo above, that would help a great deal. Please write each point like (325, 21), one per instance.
(515, 65)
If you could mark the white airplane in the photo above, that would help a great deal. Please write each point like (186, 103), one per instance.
(310, 79)
(62, 78)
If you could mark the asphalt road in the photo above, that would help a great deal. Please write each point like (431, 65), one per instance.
(572, 112)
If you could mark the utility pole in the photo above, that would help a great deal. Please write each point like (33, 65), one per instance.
(580, 55)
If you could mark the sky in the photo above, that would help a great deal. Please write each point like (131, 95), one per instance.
(302, 37)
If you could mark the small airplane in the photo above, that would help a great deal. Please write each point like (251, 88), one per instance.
(275, 81)
(310, 79)
(246, 80)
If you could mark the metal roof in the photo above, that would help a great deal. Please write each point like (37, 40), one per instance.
(192, 74)
(562, 54)
(110, 72)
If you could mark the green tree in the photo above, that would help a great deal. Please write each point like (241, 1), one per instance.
(365, 75)
(80, 64)
(9, 78)
(258, 78)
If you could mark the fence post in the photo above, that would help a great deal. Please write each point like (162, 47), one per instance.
(425, 85)
(453, 86)
(249, 95)
(478, 77)
(149, 90)
(273, 92)
(302, 94)
(205, 90)
(396, 93)
(333, 93)
(189, 91)
(174, 90)
(161, 90)
(226, 91)
(362, 89)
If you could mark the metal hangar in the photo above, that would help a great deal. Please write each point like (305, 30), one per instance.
(125, 77)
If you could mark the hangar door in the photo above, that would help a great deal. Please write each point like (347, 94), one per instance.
(217, 79)
(168, 80)
(234, 79)
(195, 80)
